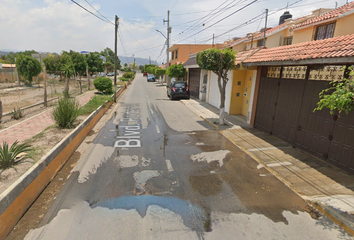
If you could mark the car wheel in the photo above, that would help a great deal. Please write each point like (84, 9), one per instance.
(171, 97)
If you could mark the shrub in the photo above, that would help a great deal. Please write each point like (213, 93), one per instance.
(66, 112)
(127, 70)
(128, 75)
(8, 156)
(103, 85)
(16, 114)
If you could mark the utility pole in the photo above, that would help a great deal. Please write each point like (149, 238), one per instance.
(265, 28)
(116, 22)
(213, 40)
(168, 45)
(149, 60)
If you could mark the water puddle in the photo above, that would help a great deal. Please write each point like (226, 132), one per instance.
(194, 217)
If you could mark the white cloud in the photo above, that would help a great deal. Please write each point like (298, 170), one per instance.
(56, 25)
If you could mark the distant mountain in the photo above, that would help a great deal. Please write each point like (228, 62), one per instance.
(4, 52)
(138, 61)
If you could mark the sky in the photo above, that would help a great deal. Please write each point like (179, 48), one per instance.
(63, 25)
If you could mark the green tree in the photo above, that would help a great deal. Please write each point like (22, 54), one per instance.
(339, 97)
(159, 72)
(109, 66)
(79, 62)
(219, 61)
(177, 71)
(28, 67)
(94, 62)
(109, 55)
(146, 66)
(52, 63)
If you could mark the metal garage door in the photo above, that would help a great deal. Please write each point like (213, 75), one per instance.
(341, 152)
(285, 109)
(194, 81)
(314, 129)
(288, 107)
(267, 98)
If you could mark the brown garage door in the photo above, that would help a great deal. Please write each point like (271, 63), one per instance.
(288, 107)
(194, 81)
(341, 152)
(286, 110)
(267, 98)
(314, 129)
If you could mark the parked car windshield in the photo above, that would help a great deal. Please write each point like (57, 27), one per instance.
(180, 85)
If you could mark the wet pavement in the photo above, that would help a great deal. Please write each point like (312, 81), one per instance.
(156, 171)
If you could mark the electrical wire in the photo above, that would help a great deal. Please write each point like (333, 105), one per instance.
(254, 19)
(174, 5)
(122, 44)
(195, 25)
(238, 10)
(97, 11)
(92, 13)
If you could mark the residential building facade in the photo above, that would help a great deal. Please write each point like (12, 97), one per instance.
(276, 88)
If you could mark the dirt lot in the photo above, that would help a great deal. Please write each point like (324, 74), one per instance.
(22, 96)
(44, 141)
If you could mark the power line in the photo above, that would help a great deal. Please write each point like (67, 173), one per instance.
(92, 13)
(253, 20)
(97, 11)
(122, 44)
(206, 16)
(174, 5)
(134, 37)
(221, 19)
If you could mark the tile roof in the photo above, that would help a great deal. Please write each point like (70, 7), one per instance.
(243, 55)
(331, 15)
(190, 61)
(270, 31)
(233, 43)
(342, 46)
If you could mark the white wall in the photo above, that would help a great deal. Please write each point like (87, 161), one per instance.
(252, 97)
(214, 93)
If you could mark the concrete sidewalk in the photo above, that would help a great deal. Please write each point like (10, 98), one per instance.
(328, 189)
(28, 128)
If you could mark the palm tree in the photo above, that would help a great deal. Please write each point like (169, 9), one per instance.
(68, 70)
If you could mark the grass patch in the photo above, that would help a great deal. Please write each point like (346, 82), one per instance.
(124, 79)
(35, 153)
(94, 103)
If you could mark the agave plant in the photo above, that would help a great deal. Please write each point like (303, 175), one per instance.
(8, 155)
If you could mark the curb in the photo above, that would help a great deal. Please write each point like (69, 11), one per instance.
(325, 210)
(15, 200)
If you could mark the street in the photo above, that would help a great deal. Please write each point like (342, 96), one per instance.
(156, 170)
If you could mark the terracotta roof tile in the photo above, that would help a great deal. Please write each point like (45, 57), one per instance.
(328, 16)
(270, 31)
(243, 55)
(342, 46)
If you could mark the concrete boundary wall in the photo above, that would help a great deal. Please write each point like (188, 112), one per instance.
(15, 200)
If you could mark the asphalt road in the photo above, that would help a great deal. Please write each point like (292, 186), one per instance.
(157, 171)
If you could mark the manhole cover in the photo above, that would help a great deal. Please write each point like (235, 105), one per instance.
(158, 185)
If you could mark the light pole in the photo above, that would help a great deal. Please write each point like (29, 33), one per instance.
(161, 33)
(168, 62)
